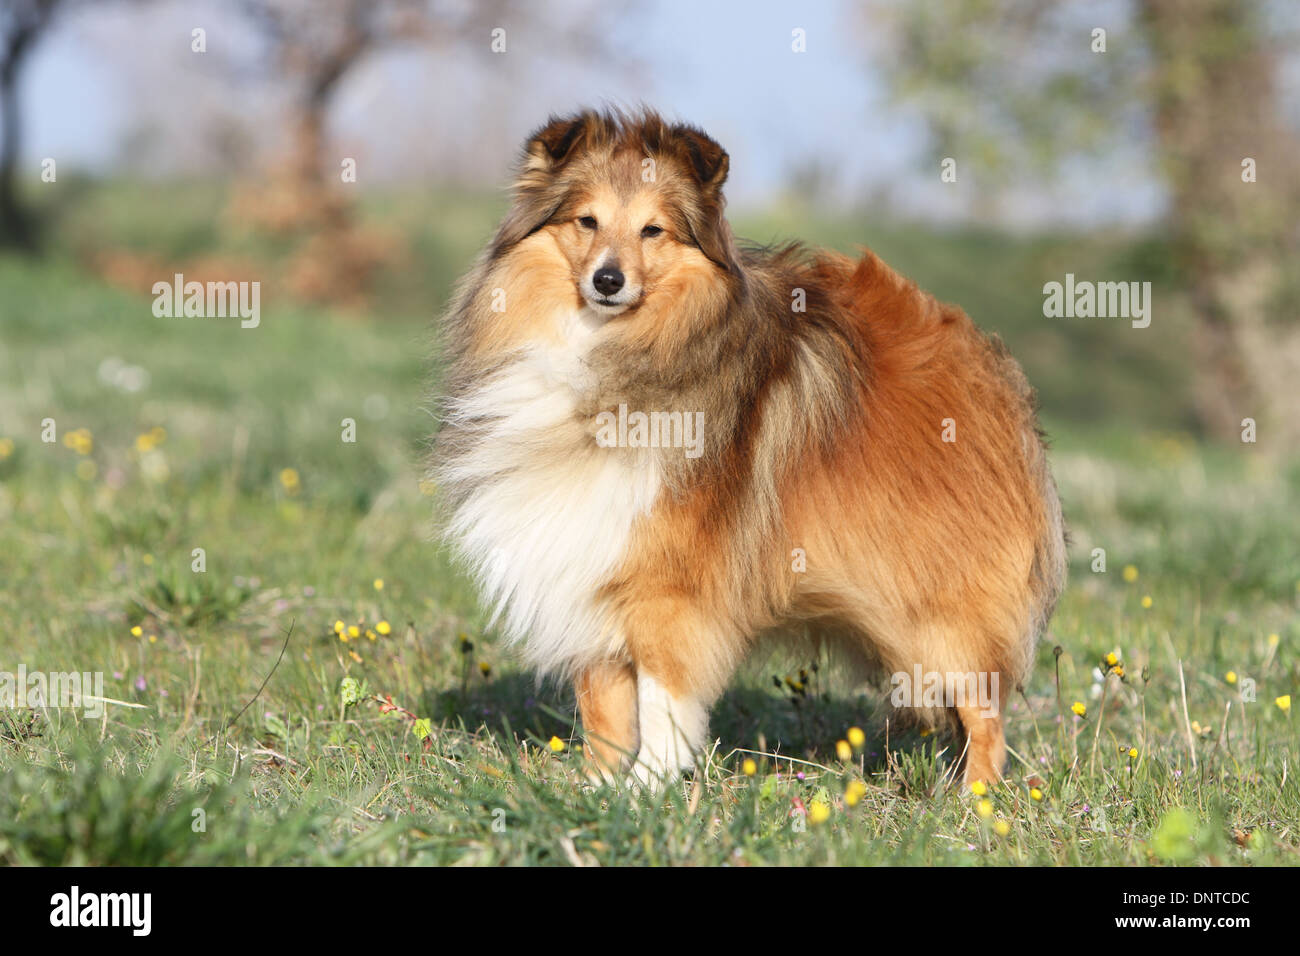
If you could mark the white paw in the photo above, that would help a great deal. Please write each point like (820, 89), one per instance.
(672, 731)
(652, 778)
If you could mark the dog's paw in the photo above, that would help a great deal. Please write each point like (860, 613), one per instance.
(596, 776)
(651, 778)
(655, 778)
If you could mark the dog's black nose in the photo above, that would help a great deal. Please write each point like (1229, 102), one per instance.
(607, 281)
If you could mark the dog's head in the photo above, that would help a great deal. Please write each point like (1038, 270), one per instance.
(634, 204)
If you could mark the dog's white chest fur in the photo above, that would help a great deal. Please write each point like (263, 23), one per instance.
(549, 513)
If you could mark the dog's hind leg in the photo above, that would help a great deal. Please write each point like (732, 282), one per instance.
(985, 746)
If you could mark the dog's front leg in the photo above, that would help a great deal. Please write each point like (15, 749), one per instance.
(607, 701)
(673, 728)
(684, 657)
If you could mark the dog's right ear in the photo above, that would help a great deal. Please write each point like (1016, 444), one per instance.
(538, 193)
(551, 146)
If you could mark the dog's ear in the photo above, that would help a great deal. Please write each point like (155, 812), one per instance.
(709, 161)
(538, 192)
(551, 146)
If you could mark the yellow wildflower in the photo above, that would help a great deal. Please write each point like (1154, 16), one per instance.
(80, 441)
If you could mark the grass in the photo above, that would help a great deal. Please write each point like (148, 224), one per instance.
(297, 527)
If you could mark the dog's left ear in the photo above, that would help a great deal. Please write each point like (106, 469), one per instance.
(709, 161)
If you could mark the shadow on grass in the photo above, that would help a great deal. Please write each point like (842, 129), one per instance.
(512, 704)
(747, 717)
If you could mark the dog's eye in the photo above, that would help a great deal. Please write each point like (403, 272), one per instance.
(587, 222)
(649, 232)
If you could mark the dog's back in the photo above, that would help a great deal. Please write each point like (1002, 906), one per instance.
(947, 544)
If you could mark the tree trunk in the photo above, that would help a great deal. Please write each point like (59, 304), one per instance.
(1215, 106)
(15, 223)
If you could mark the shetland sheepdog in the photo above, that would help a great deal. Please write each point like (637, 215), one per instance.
(863, 465)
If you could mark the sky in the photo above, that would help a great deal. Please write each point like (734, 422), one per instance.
(119, 85)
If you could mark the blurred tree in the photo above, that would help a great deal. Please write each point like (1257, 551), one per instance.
(22, 25)
(1020, 88)
(310, 49)
(22, 22)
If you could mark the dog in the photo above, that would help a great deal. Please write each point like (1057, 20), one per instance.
(867, 466)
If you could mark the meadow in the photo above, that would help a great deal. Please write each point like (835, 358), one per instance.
(388, 724)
